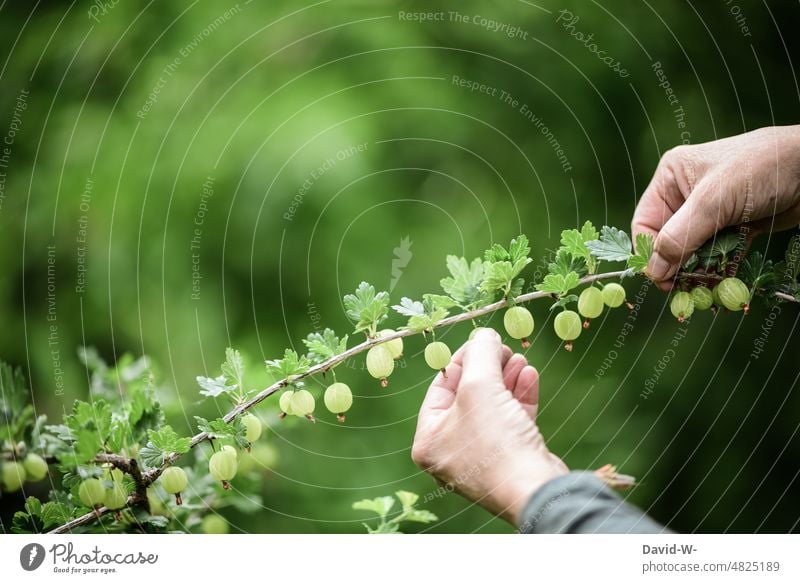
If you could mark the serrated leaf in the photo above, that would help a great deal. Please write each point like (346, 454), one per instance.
(559, 284)
(464, 283)
(291, 364)
(380, 506)
(423, 516)
(214, 387)
(366, 308)
(161, 443)
(588, 232)
(167, 440)
(439, 301)
(407, 499)
(409, 307)
(613, 245)
(323, 346)
(233, 369)
(565, 263)
(725, 242)
(94, 416)
(424, 315)
(637, 263)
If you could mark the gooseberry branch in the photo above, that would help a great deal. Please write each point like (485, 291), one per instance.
(144, 479)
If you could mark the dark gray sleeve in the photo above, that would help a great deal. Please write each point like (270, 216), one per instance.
(581, 503)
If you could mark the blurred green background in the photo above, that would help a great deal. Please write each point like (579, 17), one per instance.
(142, 120)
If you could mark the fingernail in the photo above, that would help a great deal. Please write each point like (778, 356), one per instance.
(486, 334)
(658, 267)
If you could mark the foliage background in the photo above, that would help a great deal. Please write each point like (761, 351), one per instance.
(276, 89)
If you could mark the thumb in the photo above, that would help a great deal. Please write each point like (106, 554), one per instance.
(483, 361)
(694, 223)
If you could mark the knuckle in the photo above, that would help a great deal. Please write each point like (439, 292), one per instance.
(421, 455)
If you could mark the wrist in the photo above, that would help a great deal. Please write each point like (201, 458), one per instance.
(513, 493)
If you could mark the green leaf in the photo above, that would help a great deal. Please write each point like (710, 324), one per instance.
(423, 516)
(464, 283)
(409, 307)
(588, 232)
(423, 315)
(167, 440)
(95, 416)
(644, 249)
(565, 263)
(214, 387)
(323, 346)
(14, 391)
(291, 364)
(725, 242)
(559, 284)
(407, 499)
(518, 249)
(161, 443)
(54, 514)
(366, 308)
(233, 368)
(380, 506)
(613, 245)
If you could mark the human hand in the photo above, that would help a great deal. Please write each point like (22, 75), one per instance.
(752, 178)
(477, 428)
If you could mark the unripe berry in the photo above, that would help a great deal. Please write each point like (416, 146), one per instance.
(395, 346)
(214, 524)
(590, 304)
(437, 355)
(262, 457)
(222, 467)
(35, 466)
(702, 297)
(518, 322)
(174, 481)
(14, 475)
(613, 295)
(285, 403)
(253, 427)
(567, 325)
(682, 306)
(338, 399)
(91, 492)
(231, 450)
(115, 497)
(157, 507)
(303, 404)
(380, 363)
(733, 294)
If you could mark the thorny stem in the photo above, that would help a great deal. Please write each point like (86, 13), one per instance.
(150, 476)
